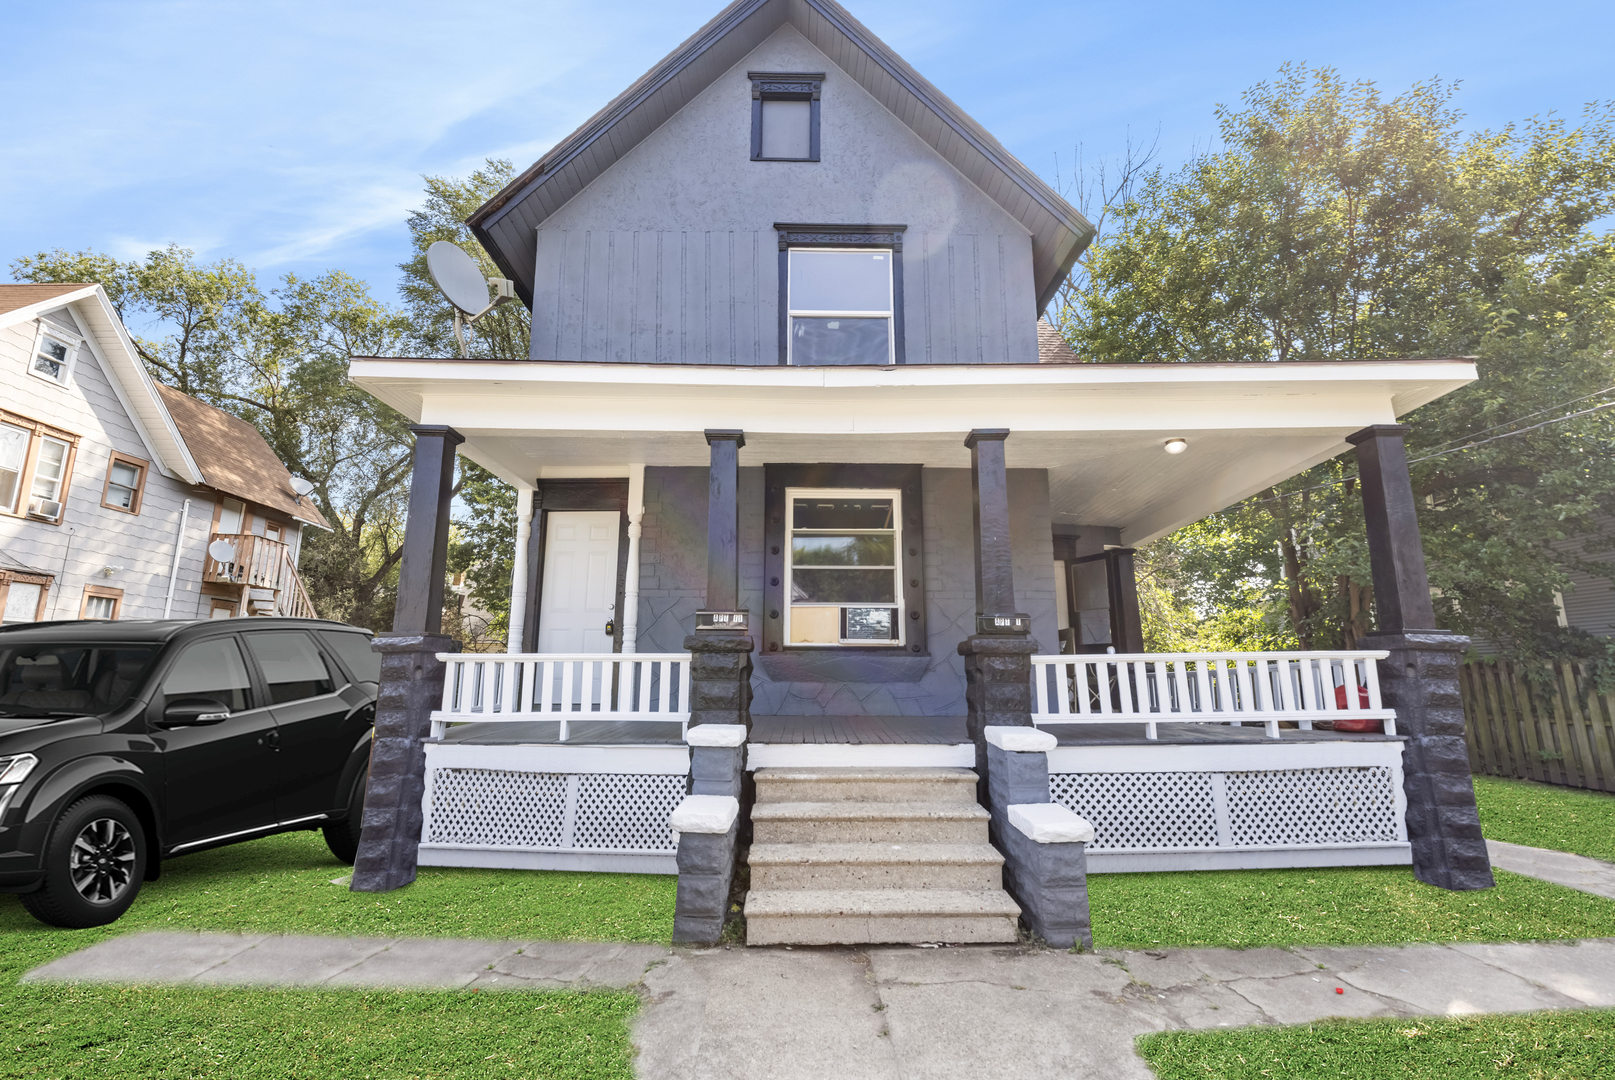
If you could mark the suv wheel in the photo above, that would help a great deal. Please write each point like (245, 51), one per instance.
(342, 837)
(95, 861)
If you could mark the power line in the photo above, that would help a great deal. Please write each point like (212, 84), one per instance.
(1456, 449)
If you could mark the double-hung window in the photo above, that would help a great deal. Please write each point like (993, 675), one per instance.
(840, 306)
(13, 456)
(50, 473)
(126, 481)
(843, 567)
(53, 355)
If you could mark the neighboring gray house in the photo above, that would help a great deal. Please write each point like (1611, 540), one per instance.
(112, 487)
(1589, 603)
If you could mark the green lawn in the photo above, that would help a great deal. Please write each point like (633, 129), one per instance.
(1540, 815)
(1539, 1046)
(283, 885)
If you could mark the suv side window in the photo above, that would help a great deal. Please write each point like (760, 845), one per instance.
(354, 650)
(211, 669)
(291, 664)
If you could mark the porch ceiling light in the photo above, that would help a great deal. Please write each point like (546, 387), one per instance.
(1176, 446)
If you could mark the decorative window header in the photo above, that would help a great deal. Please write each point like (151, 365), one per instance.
(890, 236)
(770, 83)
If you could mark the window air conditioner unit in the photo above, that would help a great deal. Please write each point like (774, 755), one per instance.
(46, 508)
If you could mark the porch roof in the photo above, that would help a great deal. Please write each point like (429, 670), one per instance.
(1097, 428)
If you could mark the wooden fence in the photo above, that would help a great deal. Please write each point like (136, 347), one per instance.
(1558, 733)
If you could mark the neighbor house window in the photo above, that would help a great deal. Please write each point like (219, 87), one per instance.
(785, 116)
(50, 477)
(126, 482)
(842, 568)
(23, 596)
(841, 294)
(13, 456)
(101, 602)
(53, 355)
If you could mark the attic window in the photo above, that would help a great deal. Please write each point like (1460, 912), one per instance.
(785, 116)
(53, 355)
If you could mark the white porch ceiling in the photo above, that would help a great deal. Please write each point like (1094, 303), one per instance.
(1097, 428)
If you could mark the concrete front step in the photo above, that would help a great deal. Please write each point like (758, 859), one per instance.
(896, 785)
(871, 916)
(875, 866)
(868, 822)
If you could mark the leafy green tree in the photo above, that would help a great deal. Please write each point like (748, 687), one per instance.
(1336, 224)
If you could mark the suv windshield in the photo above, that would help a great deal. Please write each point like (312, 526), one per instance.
(70, 680)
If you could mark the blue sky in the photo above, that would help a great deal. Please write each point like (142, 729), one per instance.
(292, 135)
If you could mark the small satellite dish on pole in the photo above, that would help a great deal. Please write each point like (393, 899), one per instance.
(459, 278)
(222, 551)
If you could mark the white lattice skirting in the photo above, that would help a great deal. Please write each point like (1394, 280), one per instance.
(552, 807)
(1236, 806)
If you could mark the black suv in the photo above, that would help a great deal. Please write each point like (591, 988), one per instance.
(125, 742)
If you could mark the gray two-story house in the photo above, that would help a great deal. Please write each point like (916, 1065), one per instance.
(787, 407)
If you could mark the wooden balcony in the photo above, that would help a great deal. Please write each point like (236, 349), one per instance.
(263, 565)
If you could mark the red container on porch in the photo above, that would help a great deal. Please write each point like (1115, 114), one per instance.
(1356, 723)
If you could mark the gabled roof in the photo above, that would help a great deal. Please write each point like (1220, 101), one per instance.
(506, 223)
(1051, 347)
(235, 458)
(110, 342)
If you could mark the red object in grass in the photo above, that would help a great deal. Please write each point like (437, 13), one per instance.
(1338, 990)
(1356, 723)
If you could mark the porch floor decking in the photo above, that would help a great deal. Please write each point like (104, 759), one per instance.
(874, 730)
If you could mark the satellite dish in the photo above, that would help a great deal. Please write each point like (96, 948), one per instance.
(222, 551)
(302, 486)
(458, 277)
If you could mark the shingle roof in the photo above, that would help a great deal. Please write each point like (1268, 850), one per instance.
(13, 297)
(1052, 348)
(234, 458)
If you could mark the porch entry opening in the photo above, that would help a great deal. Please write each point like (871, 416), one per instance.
(840, 306)
(841, 567)
(579, 598)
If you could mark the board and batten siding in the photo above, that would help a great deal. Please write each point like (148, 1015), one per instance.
(91, 537)
(671, 255)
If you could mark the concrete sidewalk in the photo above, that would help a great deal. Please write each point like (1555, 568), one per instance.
(976, 1012)
(1560, 867)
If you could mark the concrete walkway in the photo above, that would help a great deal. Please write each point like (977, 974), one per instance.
(976, 1012)
(1561, 868)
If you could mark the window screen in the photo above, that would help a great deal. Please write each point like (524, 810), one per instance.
(843, 567)
(787, 129)
(840, 306)
(210, 669)
(291, 665)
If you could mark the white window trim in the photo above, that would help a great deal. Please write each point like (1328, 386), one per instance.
(899, 616)
(891, 302)
(74, 343)
(34, 478)
(22, 469)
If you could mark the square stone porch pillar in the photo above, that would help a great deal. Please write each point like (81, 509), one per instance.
(411, 674)
(1420, 677)
(998, 669)
(721, 644)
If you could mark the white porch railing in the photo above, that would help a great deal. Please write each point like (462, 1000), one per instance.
(523, 687)
(1208, 688)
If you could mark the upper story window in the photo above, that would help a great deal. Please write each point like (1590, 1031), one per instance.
(36, 465)
(842, 569)
(785, 116)
(841, 292)
(54, 352)
(126, 482)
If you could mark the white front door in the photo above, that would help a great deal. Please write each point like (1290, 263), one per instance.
(580, 581)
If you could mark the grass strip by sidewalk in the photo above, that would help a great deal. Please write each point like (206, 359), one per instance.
(1545, 816)
(1576, 1045)
(282, 885)
(1374, 905)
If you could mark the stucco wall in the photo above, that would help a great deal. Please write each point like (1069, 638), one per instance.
(671, 256)
(673, 573)
(90, 536)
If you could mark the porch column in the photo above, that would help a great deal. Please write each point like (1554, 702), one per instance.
(720, 647)
(630, 586)
(1420, 677)
(998, 669)
(1126, 625)
(411, 674)
(517, 622)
